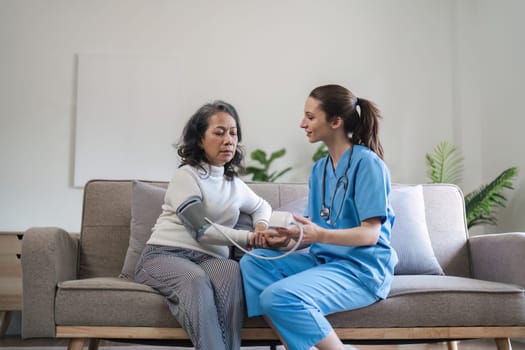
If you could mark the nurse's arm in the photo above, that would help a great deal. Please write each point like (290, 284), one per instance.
(365, 235)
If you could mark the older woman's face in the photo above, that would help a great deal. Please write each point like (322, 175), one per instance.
(220, 139)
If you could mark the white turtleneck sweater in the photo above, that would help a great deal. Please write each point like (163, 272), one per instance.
(223, 200)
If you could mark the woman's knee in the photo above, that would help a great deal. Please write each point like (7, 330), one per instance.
(232, 267)
(198, 280)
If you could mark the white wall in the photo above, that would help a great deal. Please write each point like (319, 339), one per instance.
(491, 71)
(502, 96)
(418, 59)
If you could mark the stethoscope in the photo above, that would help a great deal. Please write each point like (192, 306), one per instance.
(341, 181)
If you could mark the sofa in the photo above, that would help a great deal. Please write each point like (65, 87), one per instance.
(447, 286)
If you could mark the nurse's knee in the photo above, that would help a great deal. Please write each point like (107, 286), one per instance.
(245, 262)
(249, 263)
(274, 297)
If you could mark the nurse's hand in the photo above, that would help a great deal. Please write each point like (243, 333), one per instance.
(311, 231)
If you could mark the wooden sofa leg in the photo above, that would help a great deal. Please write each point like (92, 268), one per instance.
(452, 345)
(76, 344)
(503, 343)
(93, 344)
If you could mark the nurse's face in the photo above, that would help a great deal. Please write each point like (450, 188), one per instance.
(314, 121)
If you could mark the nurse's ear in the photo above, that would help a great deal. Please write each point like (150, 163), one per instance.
(336, 122)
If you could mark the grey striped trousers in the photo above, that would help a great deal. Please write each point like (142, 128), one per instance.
(204, 293)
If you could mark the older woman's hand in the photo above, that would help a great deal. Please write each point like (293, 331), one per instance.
(269, 238)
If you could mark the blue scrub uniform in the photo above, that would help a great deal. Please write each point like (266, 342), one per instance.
(296, 292)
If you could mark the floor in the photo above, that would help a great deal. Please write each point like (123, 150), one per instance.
(15, 343)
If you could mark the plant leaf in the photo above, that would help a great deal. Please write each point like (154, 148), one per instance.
(260, 156)
(480, 203)
(253, 169)
(320, 152)
(277, 154)
(257, 174)
(261, 174)
(274, 176)
(445, 164)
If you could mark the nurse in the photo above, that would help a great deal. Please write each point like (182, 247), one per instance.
(347, 224)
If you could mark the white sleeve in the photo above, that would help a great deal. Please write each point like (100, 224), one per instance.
(182, 186)
(254, 205)
(215, 234)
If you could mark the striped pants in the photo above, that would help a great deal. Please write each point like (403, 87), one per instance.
(204, 293)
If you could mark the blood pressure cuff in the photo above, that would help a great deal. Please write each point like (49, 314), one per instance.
(191, 212)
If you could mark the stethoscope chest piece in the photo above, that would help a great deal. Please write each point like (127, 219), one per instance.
(325, 213)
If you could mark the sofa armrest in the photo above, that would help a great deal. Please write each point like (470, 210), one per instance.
(49, 255)
(498, 257)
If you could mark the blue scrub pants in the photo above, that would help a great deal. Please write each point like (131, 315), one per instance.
(296, 293)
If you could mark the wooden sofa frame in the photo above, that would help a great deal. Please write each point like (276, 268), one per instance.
(79, 335)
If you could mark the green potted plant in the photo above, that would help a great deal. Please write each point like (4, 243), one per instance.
(262, 173)
(445, 165)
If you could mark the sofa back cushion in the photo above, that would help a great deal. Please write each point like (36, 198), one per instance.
(447, 227)
(410, 237)
(104, 233)
(105, 229)
(107, 215)
(146, 206)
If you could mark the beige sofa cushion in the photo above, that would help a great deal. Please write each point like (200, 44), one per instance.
(146, 203)
(414, 301)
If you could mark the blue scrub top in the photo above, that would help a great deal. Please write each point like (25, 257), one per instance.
(366, 197)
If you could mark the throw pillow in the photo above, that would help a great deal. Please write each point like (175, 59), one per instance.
(146, 203)
(410, 236)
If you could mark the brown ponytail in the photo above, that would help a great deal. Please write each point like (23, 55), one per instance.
(366, 131)
(361, 124)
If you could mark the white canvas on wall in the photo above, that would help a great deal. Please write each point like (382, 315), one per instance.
(126, 120)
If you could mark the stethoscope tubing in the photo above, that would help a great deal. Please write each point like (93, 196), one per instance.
(325, 211)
